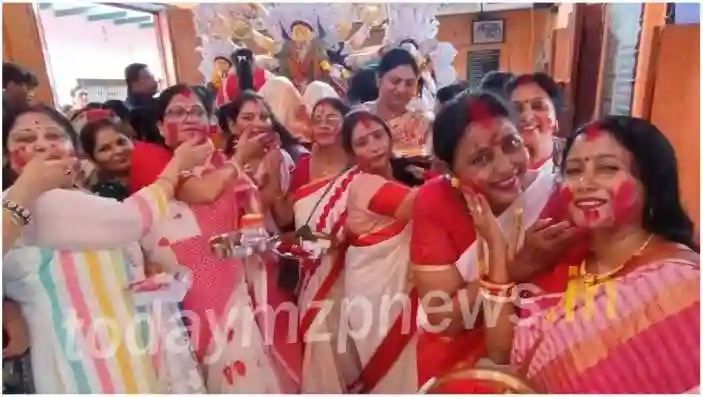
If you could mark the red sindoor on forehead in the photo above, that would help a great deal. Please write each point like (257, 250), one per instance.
(593, 132)
(186, 92)
(366, 122)
(524, 79)
(479, 112)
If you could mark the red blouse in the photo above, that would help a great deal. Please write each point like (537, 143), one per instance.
(301, 173)
(442, 231)
(148, 161)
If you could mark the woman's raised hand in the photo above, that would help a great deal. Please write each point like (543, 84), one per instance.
(485, 221)
(250, 147)
(192, 153)
(40, 175)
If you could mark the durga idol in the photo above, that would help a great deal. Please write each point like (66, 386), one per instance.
(301, 55)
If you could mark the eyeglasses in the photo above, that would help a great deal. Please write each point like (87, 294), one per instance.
(182, 113)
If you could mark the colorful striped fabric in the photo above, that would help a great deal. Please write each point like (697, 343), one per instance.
(639, 335)
(82, 322)
(85, 334)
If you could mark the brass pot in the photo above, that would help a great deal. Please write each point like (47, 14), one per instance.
(502, 381)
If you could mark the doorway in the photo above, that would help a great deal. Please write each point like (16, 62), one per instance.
(88, 45)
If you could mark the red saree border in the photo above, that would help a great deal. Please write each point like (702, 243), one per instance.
(310, 188)
(338, 265)
(379, 236)
(388, 352)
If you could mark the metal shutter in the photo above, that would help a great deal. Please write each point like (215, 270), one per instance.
(479, 63)
(622, 45)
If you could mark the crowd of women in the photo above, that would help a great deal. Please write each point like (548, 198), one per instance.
(412, 245)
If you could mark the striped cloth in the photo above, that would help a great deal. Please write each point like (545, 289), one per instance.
(85, 334)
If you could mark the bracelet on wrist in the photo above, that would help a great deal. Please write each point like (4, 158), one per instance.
(497, 297)
(18, 213)
(489, 285)
(166, 179)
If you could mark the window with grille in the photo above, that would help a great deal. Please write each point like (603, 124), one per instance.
(479, 63)
(622, 45)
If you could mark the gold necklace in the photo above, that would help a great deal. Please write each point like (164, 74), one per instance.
(591, 279)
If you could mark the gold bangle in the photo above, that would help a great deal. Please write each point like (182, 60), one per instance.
(495, 287)
(166, 179)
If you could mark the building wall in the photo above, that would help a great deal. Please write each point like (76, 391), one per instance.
(22, 44)
(675, 107)
(78, 48)
(528, 38)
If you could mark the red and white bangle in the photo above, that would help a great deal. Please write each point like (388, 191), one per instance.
(497, 292)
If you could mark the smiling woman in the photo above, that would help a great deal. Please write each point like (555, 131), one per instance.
(108, 146)
(621, 189)
(398, 76)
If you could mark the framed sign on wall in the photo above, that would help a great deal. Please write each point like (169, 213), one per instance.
(488, 31)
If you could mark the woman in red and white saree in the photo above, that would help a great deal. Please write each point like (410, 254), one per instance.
(481, 146)
(319, 187)
(380, 303)
(234, 348)
(629, 318)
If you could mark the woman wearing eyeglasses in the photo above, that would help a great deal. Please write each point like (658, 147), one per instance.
(231, 343)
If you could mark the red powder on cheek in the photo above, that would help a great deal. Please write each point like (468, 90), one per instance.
(203, 134)
(623, 200)
(18, 158)
(475, 187)
(566, 195)
(559, 208)
(171, 133)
